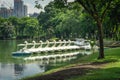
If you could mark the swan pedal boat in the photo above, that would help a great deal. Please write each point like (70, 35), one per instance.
(21, 53)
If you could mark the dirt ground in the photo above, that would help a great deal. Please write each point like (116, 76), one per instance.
(77, 70)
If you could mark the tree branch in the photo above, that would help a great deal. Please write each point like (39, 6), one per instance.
(86, 5)
(105, 10)
(95, 15)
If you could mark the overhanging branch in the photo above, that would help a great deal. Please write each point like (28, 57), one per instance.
(86, 6)
(105, 10)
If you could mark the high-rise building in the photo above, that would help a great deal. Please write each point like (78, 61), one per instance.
(19, 10)
(35, 15)
(4, 12)
(25, 10)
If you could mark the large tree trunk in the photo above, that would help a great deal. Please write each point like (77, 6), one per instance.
(101, 44)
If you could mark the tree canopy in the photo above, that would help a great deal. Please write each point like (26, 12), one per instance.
(93, 19)
(97, 9)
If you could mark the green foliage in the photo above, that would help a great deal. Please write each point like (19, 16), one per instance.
(68, 21)
(19, 27)
(31, 27)
(65, 23)
(72, 20)
(7, 30)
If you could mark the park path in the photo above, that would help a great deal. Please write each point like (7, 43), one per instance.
(77, 70)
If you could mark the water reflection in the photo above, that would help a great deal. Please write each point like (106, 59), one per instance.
(17, 71)
(13, 71)
(15, 68)
(52, 61)
(6, 71)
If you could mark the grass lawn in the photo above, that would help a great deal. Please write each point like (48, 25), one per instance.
(87, 68)
(110, 71)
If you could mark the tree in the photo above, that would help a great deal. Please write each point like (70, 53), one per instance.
(69, 24)
(97, 9)
(114, 14)
(15, 21)
(59, 22)
(31, 27)
(7, 30)
(46, 20)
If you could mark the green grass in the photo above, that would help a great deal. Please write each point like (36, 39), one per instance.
(111, 71)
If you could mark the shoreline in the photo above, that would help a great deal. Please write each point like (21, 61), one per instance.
(81, 69)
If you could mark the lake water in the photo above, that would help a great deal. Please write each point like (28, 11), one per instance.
(12, 68)
(15, 68)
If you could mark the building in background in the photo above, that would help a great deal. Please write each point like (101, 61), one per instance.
(5, 12)
(19, 10)
(25, 10)
(35, 15)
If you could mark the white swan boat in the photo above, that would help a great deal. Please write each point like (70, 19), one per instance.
(82, 43)
(21, 53)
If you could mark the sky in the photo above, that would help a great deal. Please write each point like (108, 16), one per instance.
(29, 3)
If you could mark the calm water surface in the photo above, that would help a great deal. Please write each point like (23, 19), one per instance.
(12, 68)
